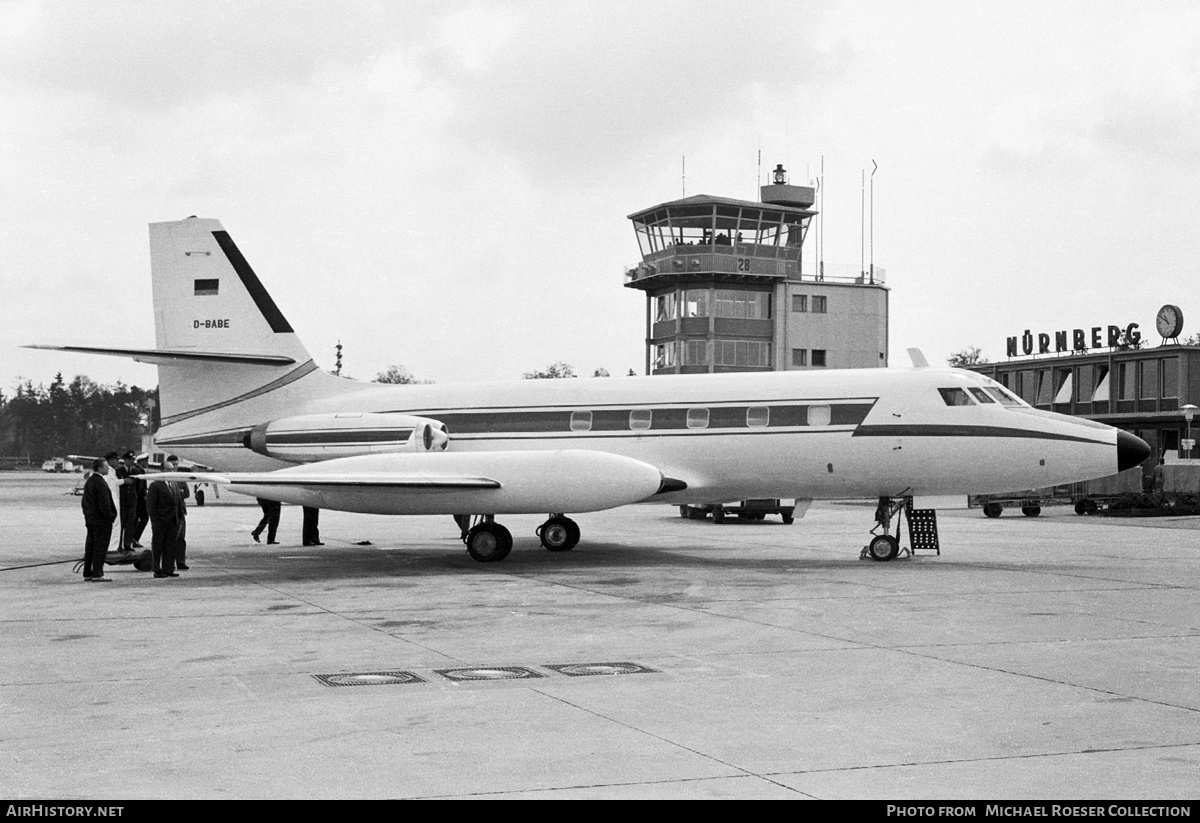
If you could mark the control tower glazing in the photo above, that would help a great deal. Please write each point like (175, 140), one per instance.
(726, 289)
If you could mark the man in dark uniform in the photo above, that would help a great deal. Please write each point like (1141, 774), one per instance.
(127, 471)
(99, 512)
(141, 515)
(164, 502)
(311, 535)
(270, 519)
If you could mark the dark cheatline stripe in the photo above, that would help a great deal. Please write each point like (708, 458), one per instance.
(291, 377)
(922, 430)
(231, 437)
(674, 418)
(329, 438)
(258, 292)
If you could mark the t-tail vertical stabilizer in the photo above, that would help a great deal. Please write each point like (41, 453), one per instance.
(228, 343)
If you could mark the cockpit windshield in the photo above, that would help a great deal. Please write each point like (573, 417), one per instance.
(956, 397)
(1004, 396)
(979, 396)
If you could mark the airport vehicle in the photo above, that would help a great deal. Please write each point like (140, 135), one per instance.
(240, 392)
(756, 509)
(58, 465)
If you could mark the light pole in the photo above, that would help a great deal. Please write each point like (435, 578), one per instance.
(1188, 412)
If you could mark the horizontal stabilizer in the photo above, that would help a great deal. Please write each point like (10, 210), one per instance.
(160, 357)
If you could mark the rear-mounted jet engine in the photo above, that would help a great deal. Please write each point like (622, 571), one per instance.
(315, 437)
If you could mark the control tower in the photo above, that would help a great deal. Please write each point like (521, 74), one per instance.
(726, 288)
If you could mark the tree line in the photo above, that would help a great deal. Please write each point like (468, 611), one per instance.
(79, 417)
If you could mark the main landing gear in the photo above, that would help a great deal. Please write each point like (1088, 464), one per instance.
(489, 542)
(559, 534)
(922, 528)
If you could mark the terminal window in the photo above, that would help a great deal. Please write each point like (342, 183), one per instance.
(799, 357)
(1170, 377)
(1126, 379)
(818, 357)
(800, 302)
(820, 305)
(1149, 370)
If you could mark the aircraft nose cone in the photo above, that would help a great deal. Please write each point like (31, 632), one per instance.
(1130, 450)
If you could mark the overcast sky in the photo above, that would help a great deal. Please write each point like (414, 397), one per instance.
(445, 185)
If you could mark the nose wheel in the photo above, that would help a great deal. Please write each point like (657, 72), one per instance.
(922, 529)
(559, 534)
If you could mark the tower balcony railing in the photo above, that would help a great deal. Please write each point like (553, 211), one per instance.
(699, 260)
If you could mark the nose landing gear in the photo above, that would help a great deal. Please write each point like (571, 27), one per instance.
(922, 530)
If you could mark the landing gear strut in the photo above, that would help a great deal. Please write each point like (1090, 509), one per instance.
(488, 541)
(559, 533)
(922, 527)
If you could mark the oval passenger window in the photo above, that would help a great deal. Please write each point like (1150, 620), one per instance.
(581, 421)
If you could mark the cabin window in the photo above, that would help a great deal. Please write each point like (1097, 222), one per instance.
(981, 396)
(956, 397)
(639, 419)
(581, 421)
(819, 415)
(758, 417)
(697, 418)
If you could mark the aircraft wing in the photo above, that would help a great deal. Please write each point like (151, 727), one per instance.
(313, 480)
(503, 482)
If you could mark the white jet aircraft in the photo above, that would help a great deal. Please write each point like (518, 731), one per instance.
(241, 393)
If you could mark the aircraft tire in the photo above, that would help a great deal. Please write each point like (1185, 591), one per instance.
(199, 497)
(718, 514)
(489, 542)
(788, 519)
(1031, 511)
(992, 509)
(883, 547)
(559, 534)
(1081, 507)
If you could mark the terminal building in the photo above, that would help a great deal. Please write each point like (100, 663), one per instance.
(727, 290)
(1112, 375)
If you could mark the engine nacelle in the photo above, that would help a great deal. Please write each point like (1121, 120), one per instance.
(311, 438)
